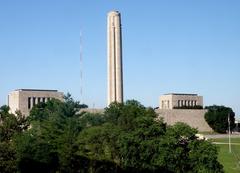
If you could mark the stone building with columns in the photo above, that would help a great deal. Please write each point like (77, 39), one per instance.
(178, 100)
(24, 99)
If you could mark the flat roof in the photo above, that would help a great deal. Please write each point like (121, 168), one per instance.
(36, 90)
(178, 94)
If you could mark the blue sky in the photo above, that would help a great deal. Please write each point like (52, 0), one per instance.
(183, 46)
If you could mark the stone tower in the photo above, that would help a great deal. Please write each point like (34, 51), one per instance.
(114, 45)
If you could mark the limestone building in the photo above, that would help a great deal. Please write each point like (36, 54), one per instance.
(176, 100)
(114, 47)
(24, 99)
(193, 117)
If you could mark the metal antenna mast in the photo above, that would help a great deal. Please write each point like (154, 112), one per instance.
(81, 68)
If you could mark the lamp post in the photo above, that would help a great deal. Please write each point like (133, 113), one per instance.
(229, 134)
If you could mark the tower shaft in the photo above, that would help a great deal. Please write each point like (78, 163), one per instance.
(115, 74)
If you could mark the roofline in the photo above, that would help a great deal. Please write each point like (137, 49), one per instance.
(36, 90)
(181, 94)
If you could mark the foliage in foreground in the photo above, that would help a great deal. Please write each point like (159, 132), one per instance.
(10, 126)
(125, 138)
(217, 118)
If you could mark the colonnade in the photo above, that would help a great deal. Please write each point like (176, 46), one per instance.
(32, 101)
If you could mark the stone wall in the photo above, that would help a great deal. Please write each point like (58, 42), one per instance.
(192, 117)
(13, 102)
(92, 110)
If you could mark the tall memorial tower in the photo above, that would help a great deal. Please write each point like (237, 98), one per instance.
(114, 46)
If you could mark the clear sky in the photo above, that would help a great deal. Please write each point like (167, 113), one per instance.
(182, 46)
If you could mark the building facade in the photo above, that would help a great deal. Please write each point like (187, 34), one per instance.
(193, 117)
(24, 99)
(176, 101)
(114, 47)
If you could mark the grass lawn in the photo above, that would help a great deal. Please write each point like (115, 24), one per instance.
(230, 161)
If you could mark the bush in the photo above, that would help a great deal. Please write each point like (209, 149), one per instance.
(217, 118)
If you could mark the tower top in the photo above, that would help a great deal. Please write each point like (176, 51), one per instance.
(115, 76)
(113, 13)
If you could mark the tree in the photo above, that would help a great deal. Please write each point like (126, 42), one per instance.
(174, 146)
(217, 118)
(10, 126)
(139, 146)
(127, 137)
(135, 141)
(90, 119)
(50, 144)
(181, 151)
(203, 157)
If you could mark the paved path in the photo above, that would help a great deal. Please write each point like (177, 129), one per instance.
(225, 143)
(221, 136)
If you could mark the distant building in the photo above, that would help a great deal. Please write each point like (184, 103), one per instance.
(24, 99)
(237, 126)
(177, 100)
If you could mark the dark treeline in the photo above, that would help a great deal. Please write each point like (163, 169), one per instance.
(219, 118)
(127, 137)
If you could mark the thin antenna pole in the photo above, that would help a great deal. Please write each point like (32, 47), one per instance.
(81, 68)
(229, 134)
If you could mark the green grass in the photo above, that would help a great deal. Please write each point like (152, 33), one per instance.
(230, 161)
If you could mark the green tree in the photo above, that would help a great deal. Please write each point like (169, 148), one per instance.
(217, 118)
(175, 146)
(99, 142)
(181, 151)
(50, 144)
(92, 119)
(139, 146)
(127, 137)
(203, 157)
(133, 139)
(10, 126)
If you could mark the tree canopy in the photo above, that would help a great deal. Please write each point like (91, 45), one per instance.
(217, 118)
(10, 126)
(126, 137)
